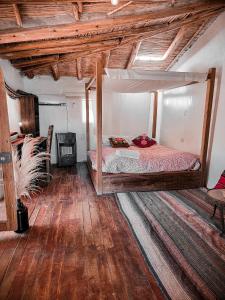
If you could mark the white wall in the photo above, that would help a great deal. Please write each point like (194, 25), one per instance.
(11, 75)
(64, 118)
(125, 115)
(182, 109)
(14, 80)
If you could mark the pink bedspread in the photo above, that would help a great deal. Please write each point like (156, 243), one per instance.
(154, 159)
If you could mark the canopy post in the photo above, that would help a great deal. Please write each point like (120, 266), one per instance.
(87, 118)
(99, 72)
(155, 108)
(207, 122)
(7, 168)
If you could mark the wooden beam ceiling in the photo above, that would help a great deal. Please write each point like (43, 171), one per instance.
(91, 27)
(17, 15)
(19, 50)
(74, 56)
(133, 55)
(79, 68)
(96, 30)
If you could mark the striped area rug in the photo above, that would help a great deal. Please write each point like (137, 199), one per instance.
(180, 242)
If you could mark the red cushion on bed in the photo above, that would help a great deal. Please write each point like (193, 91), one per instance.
(221, 183)
(143, 141)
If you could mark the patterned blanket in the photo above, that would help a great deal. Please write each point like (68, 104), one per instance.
(157, 158)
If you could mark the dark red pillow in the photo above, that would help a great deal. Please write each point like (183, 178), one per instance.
(143, 141)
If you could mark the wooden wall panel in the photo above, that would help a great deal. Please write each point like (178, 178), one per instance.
(7, 168)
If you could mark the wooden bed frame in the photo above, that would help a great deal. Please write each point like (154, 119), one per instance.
(130, 182)
(105, 183)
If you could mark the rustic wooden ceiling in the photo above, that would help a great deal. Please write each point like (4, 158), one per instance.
(63, 38)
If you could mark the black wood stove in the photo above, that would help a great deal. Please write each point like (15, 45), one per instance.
(66, 149)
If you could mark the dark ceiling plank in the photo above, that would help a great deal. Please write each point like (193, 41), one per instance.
(75, 11)
(69, 58)
(80, 7)
(133, 55)
(175, 43)
(79, 69)
(67, 1)
(107, 58)
(55, 72)
(119, 8)
(49, 59)
(189, 43)
(17, 15)
(68, 30)
(60, 50)
(30, 74)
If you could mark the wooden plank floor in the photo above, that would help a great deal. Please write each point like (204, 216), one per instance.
(79, 246)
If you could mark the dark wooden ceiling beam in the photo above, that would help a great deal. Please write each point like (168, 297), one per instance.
(34, 61)
(107, 58)
(80, 7)
(60, 50)
(9, 2)
(51, 1)
(75, 11)
(69, 58)
(17, 15)
(82, 28)
(55, 72)
(189, 43)
(79, 68)
(119, 8)
(134, 52)
(29, 74)
(175, 43)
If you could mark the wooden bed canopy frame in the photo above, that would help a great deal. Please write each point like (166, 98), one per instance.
(105, 183)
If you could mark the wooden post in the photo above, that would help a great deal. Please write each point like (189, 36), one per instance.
(87, 118)
(155, 108)
(99, 70)
(7, 168)
(207, 122)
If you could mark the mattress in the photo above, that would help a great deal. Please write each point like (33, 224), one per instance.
(156, 158)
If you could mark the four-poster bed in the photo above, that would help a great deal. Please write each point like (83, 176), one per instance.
(123, 182)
